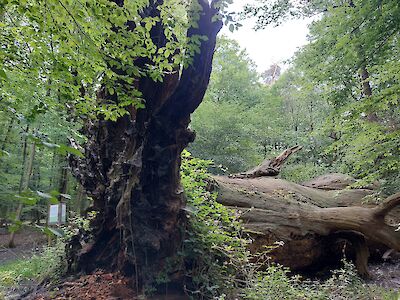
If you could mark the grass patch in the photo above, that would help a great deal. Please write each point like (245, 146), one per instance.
(344, 284)
(38, 267)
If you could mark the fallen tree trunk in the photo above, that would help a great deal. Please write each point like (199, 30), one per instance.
(312, 223)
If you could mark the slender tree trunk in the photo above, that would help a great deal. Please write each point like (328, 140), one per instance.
(131, 169)
(366, 87)
(7, 133)
(79, 199)
(63, 183)
(367, 91)
(24, 148)
(53, 167)
(24, 183)
(35, 184)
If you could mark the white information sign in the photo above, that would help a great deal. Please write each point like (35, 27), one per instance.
(57, 214)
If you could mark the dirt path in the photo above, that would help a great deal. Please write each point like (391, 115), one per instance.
(386, 274)
(28, 242)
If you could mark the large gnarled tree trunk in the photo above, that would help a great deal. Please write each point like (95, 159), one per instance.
(131, 168)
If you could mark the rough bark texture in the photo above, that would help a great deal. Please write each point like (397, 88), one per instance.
(131, 169)
(311, 222)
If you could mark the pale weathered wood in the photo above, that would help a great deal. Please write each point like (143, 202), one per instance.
(308, 220)
(269, 167)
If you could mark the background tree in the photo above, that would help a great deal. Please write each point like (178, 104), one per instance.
(350, 60)
(242, 121)
(272, 74)
(223, 123)
(348, 67)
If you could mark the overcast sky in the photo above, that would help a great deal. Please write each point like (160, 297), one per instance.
(271, 45)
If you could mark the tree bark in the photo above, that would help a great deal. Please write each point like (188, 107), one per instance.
(131, 170)
(367, 91)
(309, 221)
(79, 200)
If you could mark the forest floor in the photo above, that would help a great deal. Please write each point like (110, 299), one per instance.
(97, 286)
(386, 274)
(103, 285)
(28, 242)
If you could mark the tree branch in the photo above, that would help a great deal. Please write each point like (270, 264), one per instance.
(389, 204)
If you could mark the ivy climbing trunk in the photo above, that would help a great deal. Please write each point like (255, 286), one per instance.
(131, 169)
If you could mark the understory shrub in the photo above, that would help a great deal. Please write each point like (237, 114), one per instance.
(301, 172)
(49, 264)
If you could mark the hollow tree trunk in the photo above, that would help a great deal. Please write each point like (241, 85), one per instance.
(131, 169)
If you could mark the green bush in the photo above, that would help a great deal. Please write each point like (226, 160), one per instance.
(213, 236)
(343, 284)
(302, 172)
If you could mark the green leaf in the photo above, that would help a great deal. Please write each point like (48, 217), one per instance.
(51, 231)
(27, 200)
(52, 198)
(148, 26)
(44, 195)
(3, 74)
(15, 227)
(64, 149)
(4, 153)
(66, 196)
(50, 145)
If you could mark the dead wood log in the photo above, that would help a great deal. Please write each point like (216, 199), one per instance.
(336, 181)
(269, 167)
(309, 221)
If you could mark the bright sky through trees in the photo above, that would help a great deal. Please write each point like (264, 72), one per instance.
(270, 45)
